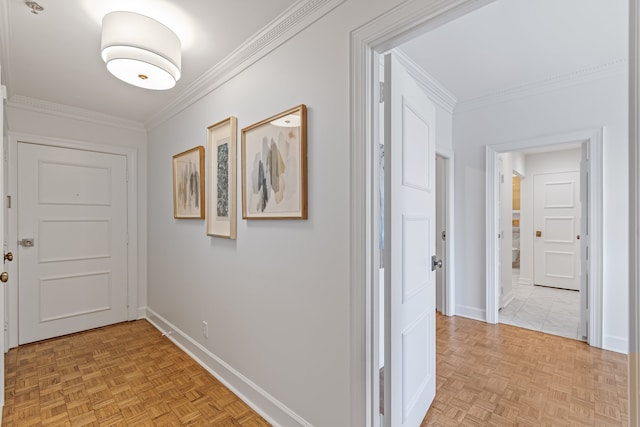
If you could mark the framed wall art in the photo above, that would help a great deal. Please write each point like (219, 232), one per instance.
(274, 167)
(188, 184)
(221, 184)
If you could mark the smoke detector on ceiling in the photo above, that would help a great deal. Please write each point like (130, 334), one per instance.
(35, 7)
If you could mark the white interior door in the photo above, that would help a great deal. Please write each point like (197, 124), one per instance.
(72, 224)
(557, 227)
(409, 245)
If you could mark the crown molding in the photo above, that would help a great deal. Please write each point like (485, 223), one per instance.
(549, 84)
(5, 42)
(438, 94)
(293, 20)
(45, 107)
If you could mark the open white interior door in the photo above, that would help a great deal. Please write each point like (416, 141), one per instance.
(409, 119)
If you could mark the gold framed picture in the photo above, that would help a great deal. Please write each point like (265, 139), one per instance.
(188, 184)
(274, 167)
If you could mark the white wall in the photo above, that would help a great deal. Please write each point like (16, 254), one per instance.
(557, 161)
(277, 299)
(588, 105)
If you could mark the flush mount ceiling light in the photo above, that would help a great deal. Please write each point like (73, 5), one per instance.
(140, 51)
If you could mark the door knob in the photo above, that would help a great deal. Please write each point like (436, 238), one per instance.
(8, 256)
(435, 263)
(538, 233)
(4, 276)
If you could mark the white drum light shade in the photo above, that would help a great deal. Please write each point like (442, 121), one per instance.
(140, 51)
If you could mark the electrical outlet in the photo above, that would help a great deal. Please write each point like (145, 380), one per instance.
(205, 329)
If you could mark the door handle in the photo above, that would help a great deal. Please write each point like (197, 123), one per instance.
(4, 276)
(435, 263)
(538, 233)
(27, 242)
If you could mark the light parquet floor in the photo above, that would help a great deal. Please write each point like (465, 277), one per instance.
(121, 375)
(502, 375)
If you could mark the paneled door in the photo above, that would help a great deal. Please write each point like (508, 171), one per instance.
(72, 230)
(557, 230)
(409, 245)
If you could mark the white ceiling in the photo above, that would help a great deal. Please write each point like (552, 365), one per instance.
(54, 56)
(513, 43)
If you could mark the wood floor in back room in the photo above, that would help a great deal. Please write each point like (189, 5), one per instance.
(502, 375)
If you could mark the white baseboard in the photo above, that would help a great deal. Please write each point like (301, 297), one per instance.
(617, 344)
(507, 298)
(271, 409)
(525, 281)
(142, 312)
(471, 312)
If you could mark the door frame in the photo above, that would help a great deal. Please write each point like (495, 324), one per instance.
(594, 140)
(132, 218)
(449, 288)
(383, 33)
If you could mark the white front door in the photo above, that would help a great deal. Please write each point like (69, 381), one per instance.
(556, 202)
(72, 225)
(409, 244)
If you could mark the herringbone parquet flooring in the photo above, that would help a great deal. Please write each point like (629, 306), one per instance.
(121, 375)
(501, 375)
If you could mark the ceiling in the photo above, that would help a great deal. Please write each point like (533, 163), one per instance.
(54, 56)
(514, 43)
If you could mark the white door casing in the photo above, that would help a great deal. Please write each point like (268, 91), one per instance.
(409, 245)
(3, 227)
(585, 238)
(557, 227)
(73, 204)
(441, 185)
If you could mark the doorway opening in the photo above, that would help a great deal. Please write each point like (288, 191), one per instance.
(539, 195)
(585, 239)
(367, 43)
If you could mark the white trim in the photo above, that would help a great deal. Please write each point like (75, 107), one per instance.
(437, 93)
(525, 281)
(19, 102)
(617, 344)
(470, 312)
(385, 32)
(546, 85)
(634, 214)
(132, 217)
(270, 408)
(596, 189)
(449, 267)
(296, 18)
